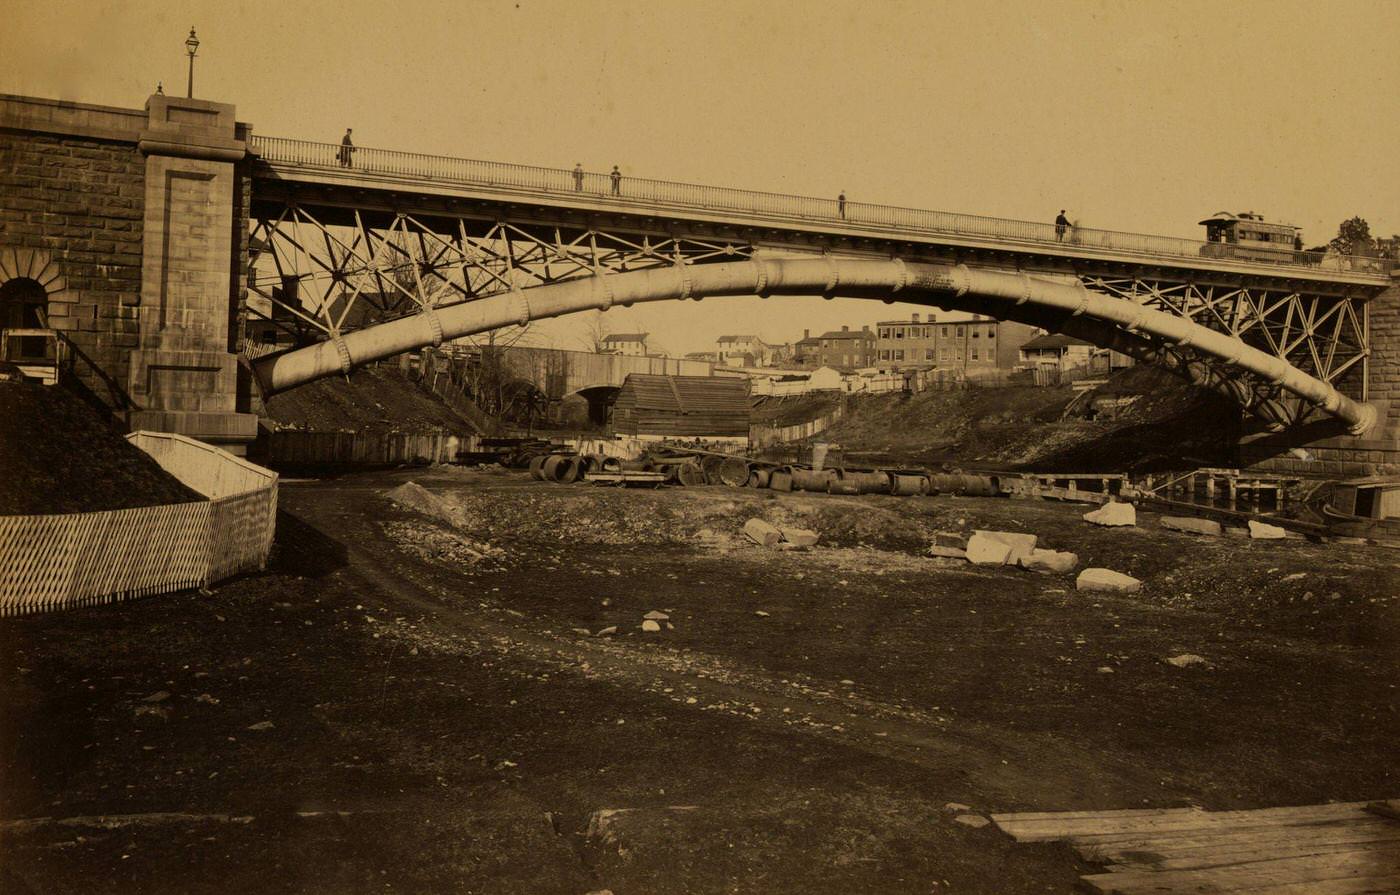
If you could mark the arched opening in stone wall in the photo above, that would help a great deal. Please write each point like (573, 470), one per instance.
(24, 304)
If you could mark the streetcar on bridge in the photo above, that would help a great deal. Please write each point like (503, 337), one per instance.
(1249, 237)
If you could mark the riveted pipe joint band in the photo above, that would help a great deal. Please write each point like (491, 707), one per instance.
(961, 280)
(683, 276)
(522, 305)
(833, 279)
(434, 324)
(760, 286)
(342, 351)
(901, 278)
(601, 284)
(1085, 299)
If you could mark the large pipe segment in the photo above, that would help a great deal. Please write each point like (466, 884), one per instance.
(1011, 295)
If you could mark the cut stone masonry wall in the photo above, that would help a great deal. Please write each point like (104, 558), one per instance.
(80, 201)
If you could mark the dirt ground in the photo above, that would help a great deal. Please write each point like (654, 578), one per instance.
(423, 701)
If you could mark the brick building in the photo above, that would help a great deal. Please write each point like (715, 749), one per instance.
(905, 343)
(844, 349)
(977, 342)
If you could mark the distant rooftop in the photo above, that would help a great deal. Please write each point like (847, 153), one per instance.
(1054, 340)
(625, 337)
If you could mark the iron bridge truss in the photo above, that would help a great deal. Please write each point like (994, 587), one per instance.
(323, 274)
(328, 270)
(1326, 336)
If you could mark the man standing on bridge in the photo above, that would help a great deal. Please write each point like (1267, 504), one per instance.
(616, 177)
(346, 148)
(1061, 225)
(841, 203)
(578, 176)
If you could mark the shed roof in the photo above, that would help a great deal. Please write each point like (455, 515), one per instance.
(687, 394)
(625, 337)
(1054, 340)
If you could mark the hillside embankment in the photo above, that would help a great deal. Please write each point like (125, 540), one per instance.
(375, 399)
(1141, 420)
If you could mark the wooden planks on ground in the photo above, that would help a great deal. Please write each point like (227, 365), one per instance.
(1336, 849)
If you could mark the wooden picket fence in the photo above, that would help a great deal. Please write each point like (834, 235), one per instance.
(80, 559)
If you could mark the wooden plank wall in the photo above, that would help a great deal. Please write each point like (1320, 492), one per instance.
(763, 436)
(297, 446)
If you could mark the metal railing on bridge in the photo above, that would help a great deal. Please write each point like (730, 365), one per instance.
(663, 194)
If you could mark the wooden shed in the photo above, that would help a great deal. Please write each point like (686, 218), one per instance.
(682, 406)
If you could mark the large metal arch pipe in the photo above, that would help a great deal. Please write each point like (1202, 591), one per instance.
(914, 282)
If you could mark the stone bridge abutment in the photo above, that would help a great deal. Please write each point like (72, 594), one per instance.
(134, 222)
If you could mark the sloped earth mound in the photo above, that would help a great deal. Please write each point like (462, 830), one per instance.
(372, 399)
(1171, 424)
(58, 454)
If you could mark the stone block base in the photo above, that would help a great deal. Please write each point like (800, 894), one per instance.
(1338, 456)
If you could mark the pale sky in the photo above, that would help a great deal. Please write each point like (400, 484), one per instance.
(1133, 116)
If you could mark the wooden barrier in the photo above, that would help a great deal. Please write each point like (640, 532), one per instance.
(79, 559)
(304, 447)
(764, 436)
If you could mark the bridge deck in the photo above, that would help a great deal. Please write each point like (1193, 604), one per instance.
(300, 161)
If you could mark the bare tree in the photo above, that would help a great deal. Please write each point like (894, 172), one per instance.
(596, 329)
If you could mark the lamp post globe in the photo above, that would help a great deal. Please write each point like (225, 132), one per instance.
(191, 45)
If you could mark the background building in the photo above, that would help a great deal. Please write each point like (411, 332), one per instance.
(1056, 351)
(977, 342)
(631, 344)
(904, 343)
(743, 351)
(844, 349)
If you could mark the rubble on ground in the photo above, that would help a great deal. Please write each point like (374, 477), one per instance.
(1096, 579)
(762, 533)
(1263, 531)
(987, 551)
(1050, 561)
(1021, 544)
(1113, 514)
(1186, 660)
(1192, 525)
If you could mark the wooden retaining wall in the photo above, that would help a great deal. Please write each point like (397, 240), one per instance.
(763, 436)
(79, 559)
(303, 447)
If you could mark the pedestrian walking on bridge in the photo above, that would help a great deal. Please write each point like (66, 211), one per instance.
(346, 149)
(616, 178)
(578, 176)
(1061, 225)
(841, 203)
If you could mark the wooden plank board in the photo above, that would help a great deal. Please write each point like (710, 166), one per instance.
(1203, 848)
(1176, 819)
(1206, 858)
(1243, 829)
(1388, 808)
(1348, 865)
(1369, 885)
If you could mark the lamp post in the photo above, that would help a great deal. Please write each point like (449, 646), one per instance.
(191, 44)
